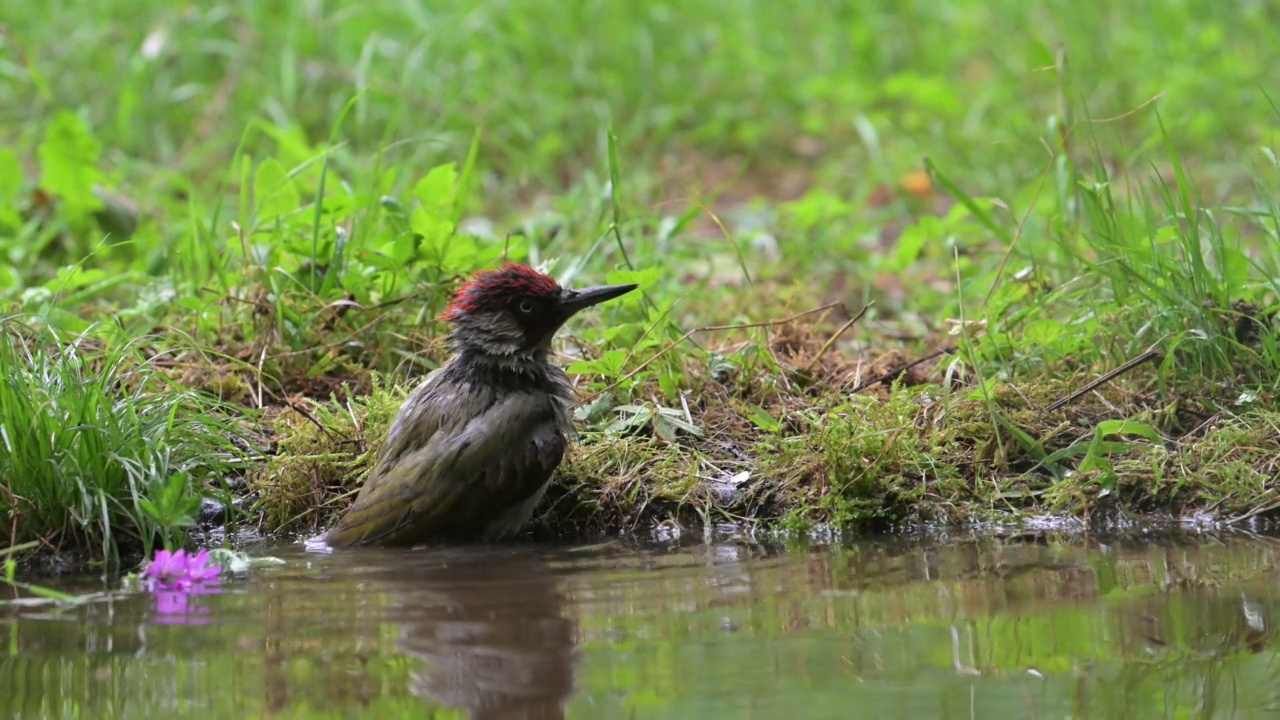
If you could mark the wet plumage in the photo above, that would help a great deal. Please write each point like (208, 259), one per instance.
(472, 450)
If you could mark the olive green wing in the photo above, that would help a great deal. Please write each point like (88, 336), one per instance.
(460, 480)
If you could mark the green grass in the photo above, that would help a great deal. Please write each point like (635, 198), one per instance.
(99, 454)
(1044, 192)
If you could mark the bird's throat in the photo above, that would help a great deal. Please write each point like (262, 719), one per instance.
(518, 372)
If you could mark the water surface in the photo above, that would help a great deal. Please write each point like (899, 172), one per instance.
(1021, 625)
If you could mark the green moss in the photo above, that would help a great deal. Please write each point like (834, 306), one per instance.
(872, 461)
(322, 453)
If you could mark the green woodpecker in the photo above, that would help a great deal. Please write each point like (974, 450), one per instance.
(472, 450)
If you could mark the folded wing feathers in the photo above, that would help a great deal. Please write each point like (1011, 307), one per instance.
(441, 476)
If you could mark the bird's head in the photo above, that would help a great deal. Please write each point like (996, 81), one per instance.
(516, 310)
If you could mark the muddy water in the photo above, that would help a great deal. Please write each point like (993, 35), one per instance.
(1020, 625)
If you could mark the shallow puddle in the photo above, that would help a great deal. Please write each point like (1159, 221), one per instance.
(1024, 625)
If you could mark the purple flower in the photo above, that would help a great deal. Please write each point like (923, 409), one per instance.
(173, 576)
(179, 571)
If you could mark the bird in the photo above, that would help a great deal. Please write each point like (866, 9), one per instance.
(472, 449)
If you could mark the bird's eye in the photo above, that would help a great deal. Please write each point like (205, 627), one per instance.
(525, 306)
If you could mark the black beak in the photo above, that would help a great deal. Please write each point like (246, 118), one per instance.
(574, 300)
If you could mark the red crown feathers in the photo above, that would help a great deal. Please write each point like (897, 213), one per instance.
(511, 280)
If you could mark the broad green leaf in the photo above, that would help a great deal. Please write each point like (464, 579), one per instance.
(291, 142)
(1163, 236)
(665, 427)
(69, 163)
(337, 201)
(1043, 332)
(438, 189)
(435, 231)
(515, 249)
(460, 254)
(384, 256)
(274, 194)
(644, 278)
(630, 417)
(72, 277)
(677, 420)
(609, 364)
(584, 367)
(595, 410)
(612, 361)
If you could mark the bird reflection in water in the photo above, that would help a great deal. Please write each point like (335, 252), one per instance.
(491, 630)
